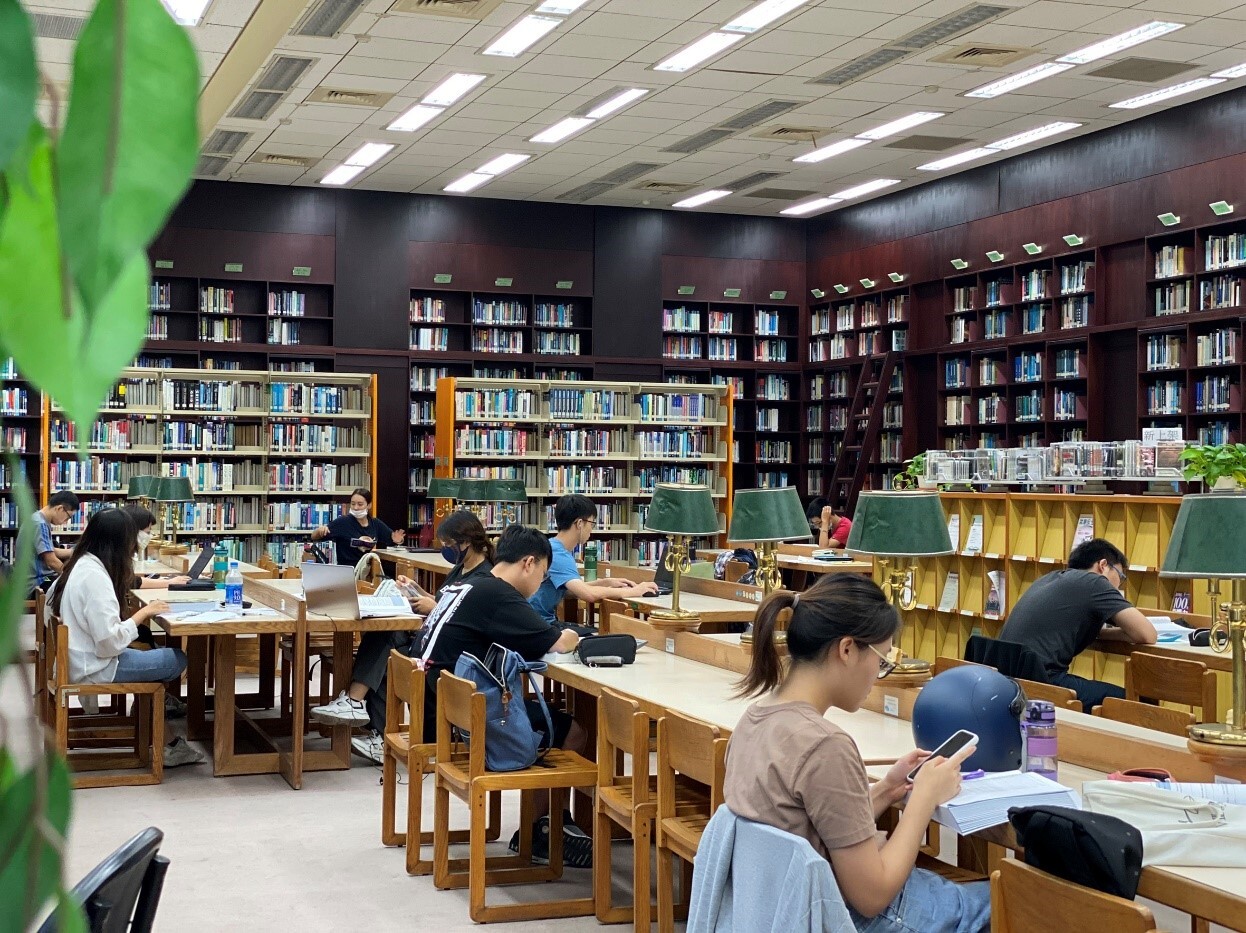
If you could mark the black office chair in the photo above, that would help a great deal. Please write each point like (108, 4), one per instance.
(1007, 657)
(121, 893)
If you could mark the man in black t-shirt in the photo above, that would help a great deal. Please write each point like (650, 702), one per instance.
(1063, 612)
(360, 526)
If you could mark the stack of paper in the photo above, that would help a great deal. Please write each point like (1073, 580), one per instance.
(1167, 631)
(380, 607)
(985, 801)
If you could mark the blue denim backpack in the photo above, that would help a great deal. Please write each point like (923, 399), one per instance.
(511, 744)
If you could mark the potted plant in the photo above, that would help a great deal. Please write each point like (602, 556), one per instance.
(1219, 466)
(913, 476)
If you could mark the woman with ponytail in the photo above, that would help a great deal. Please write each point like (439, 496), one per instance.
(791, 768)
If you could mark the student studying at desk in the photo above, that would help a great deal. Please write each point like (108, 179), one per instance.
(831, 528)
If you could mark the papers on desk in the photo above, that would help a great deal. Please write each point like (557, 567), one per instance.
(217, 613)
(182, 610)
(985, 801)
(380, 607)
(1168, 631)
(1217, 793)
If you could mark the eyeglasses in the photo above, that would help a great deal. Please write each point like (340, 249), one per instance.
(1120, 572)
(885, 664)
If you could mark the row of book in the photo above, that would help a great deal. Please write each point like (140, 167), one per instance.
(890, 448)
(1069, 363)
(553, 343)
(300, 516)
(676, 443)
(773, 479)
(1217, 348)
(427, 310)
(1075, 312)
(435, 339)
(1027, 367)
(560, 314)
(681, 348)
(836, 347)
(497, 403)
(496, 442)
(1068, 405)
(499, 311)
(870, 316)
(994, 292)
(767, 420)
(770, 351)
(721, 322)
(560, 480)
(697, 476)
(315, 438)
(298, 398)
(1224, 251)
(530, 473)
(1058, 462)
(681, 320)
(222, 330)
(1035, 284)
(736, 383)
(13, 401)
(315, 476)
(216, 300)
(773, 452)
(829, 385)
(424, 446)
(1029, 407)
(1173, 298)
(960, 330)
(837, 418)
(580, 442)
(424, 378)
(1165, 397)
(992, 409)
(418, 478)
(217, 476)
(423, 411)
(1224, 291)
(991, 372)
(722, 349)
(1163, 351)
(1173, 260)
(994, 325)
(774, 388)
(590, 404)
(160, 296)
(893, 415)
(211, 515)
(493, 340)
(664, 406)
(209, 435)
(93, 474)
(284, 333)
(767, 323)
(1214, 393)
(287, 304)
(1075, 278)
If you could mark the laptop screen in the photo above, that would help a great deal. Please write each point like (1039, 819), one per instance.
(201, 561)
(330, 590)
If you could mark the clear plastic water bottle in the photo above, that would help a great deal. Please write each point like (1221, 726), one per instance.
(590, 561)
(220, 566)
(233, 588)
(1038, 732)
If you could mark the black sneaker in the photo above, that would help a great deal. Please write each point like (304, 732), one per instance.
(540, 841)
(577, 845)
(174, 708)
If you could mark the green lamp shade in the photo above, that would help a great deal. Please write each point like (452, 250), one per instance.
(142, 487)
(680, 509)
(172, 489)
(899, 524)
(768, 515)
(1207, 538)
(506, 490)
(443, 487)
(474, 489)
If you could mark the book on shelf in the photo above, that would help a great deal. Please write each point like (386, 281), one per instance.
(287, 304)
(973, 542)
(963, 298)
(554, 314)
(765, 323)
(501, 311)
(1173, 260)
(681, 348)
(996, 595)
(681, 320)
(556, 343)
(283, 333)
(951, 592)
(1068, 363)
(1224, 251)
(1223, 291)
(215, 300)
(953, 530)
(1172, 299)
(1075, 278)
(1033, 319)
(1075, 312)
(1028, 367)
(1217, 348)
(427, 310)
(1035, 285)
(985, 801)
(497, 340)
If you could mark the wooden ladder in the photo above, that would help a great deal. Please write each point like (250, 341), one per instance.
(860, 447)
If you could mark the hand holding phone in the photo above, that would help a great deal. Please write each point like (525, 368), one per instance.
(959, 740)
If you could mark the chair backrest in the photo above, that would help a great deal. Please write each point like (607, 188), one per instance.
(1026, 900)
(1061, 696)
(121, 893)
(1007, 657)
(1157, 677)
(622, 728)
(461, 706)
(693, 749)
(404, 692)
(1160, 718)
(55, 652)
(944, 663)
(702, 570)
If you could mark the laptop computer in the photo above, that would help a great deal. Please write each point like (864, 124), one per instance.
(330, 591)
(198, 567)
(663, 579)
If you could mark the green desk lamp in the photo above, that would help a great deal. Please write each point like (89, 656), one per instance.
(680, 511)
(168, 490)
(897, 525)
(766, 517)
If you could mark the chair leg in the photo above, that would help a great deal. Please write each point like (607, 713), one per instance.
(685, 890)
(556, 801)
(642, 833)
(441, 837)
(494, 832)
(477, 866)
(603, 903)
(415, 819)
(390, 836)
(666, 892)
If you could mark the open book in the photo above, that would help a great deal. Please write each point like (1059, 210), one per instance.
(985, 801)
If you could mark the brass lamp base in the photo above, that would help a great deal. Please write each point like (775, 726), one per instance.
(1218, 734)
(1226, 759)
(674, 620)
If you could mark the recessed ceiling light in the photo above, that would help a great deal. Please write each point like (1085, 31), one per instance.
(834, 149)
(524, 33)
(968, 155)
(560, 7)
(342, 174)
(414, 118)
(1125, 40)
(451, 89)
(808, 207)
(504, 163)
(617, 102)
(900, 125)
(1237, 71)
(703, 198)
(1020, 79)
(186, 12)
(561, 130)
(704, 48)
(468, 182)
(868, 188)
(368, 154)
(1031, 136)
(761, 15)
(1164, 93)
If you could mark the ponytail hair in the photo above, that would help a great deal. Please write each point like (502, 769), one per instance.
(463, 527)
(838, 606)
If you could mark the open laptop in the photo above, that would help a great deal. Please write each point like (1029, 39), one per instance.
(197, 568)
(663, 579)
(330, 591)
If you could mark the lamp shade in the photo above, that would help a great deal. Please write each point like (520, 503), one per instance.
(142, 487)
(768, 515)
(506, 490)
(899, 524)
(443, 487)
(172, 489)
(681, 509)
(474, 489)
(1207, 538)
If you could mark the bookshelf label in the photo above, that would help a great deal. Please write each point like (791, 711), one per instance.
(164, 263)
(731, 293)
(687, 289)
(301, 270)
(504, 282)
(233, 267)
(443, 278)
(1220, 208)
(777, 296)
(563, 284)
(841, 289)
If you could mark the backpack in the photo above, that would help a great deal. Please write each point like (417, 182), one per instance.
(1091, 849)
(511, 744)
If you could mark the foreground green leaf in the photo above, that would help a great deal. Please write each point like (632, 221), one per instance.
(130, 141)
(31, 839)
(19, 78)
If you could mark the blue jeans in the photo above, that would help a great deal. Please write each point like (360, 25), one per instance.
(158, 664)
(1091, 692)
(930, 904)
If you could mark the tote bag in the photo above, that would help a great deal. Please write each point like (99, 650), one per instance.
(1176, 829)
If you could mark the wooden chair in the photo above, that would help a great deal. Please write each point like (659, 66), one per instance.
(1173, 680)
(1026, 900)
(943, 663)
(1062, 697)
(112, 742)
(461, 771)
(688, 750)
(1160, 718)
(404, 742)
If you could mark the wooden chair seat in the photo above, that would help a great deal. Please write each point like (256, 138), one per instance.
(1026, 900)
(1160, 718)
(620, 798)
(683, 834)
(558, 769)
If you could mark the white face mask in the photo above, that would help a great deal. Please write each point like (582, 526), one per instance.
(360, 514)
(144, 539)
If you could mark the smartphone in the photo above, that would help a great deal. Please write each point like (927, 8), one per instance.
(949, 748)
(411, 592)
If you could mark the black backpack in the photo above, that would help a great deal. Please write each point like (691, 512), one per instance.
(1090, 849)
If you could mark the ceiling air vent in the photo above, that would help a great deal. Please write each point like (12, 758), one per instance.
(629, 172)
(211, 165)
(460, 9)
(282, 73)
(779, 194)
(699, 141)
(860, 67)
(225, 142)
(590, 190)
(752, 181)
(258, 105)
(760, 114)
(326, 18)
(285, 161)
(790, 134)
(983, 56)
(951, 25)
(53, 26)
(334, 95)
(663, 187)
(1146, 70)
(927, 143)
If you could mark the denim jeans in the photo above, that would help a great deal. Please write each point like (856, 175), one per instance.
(1091, 692)
(930, 904)
(158, 664)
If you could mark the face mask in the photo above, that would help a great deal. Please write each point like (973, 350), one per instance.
(451, 554)
(360, 514)
(144, 539)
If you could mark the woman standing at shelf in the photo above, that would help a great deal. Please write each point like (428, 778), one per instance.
(830, 527)
(357, 532)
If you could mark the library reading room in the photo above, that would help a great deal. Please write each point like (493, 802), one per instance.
(731, 466)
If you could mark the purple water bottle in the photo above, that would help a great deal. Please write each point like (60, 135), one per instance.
(1038, 730)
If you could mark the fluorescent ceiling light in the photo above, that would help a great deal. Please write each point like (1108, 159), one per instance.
(1031, 136)
(468, 182)
(692, 55)
(524, 33)
(868, 188)
(617, 102)
(342, 174)
(414, 118)
(561, 130)
(1237, 71)
(368, 154)
(808, 207)
(762, 15)
(560, 7)
(834, 149)
(703, 198)
(1020, 79)
(899, 126)
(451, 89)
(186, 12)
(1125, 40)
(1164, 93)
(967, 156)
(503, 163)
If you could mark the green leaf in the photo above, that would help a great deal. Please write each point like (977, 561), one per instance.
(69, 918)
(30, 861)
(19, 78)
(130, 140)
(15, 589)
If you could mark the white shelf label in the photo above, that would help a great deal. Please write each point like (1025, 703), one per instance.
(891, 705)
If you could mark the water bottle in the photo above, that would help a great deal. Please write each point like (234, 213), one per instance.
(1038, 733)
(233, 588)
(590, 562)
(220, 566)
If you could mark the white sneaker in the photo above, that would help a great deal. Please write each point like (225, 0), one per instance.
(341, 712)
(370, 746)
(180, 752)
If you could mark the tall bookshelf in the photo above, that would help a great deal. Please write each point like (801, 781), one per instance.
(610, 441)
(729, 332)
(270, 455)
(502, 323)
(20, 413)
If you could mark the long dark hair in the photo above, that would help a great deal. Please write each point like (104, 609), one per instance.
(463, 527)
(111, 536)
(838, 606)
(142, 518)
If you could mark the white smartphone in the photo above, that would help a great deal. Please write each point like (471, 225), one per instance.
(949, 748)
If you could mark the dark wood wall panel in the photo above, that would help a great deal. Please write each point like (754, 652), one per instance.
(756, 278)
(476, 267)
(498, 223)
(393, 379)
(371, 296)
(219, 205)
(627, 297)
(264, 256)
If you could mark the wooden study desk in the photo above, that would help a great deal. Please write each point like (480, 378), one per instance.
(711, 609)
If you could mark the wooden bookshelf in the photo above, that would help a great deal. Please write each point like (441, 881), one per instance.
(504, 324)
(730, 332)
(608, 440)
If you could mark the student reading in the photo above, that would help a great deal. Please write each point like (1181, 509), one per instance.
(791, 768)
(50, 559)
(1063, 612)
(357, 532)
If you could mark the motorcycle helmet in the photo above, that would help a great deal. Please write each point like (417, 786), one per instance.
(981, 700)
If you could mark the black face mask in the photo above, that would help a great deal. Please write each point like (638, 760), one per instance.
(451, 554)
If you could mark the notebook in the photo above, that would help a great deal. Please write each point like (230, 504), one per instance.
(985, 801)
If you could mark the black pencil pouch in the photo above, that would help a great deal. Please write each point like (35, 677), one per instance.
(597, 646)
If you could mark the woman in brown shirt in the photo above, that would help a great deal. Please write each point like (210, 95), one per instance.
(791, 768)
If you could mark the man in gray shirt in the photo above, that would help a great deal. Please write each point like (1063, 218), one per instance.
(1063, 612)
